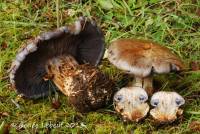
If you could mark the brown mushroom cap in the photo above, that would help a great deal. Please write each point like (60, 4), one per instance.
(83, 40)
(141, 57)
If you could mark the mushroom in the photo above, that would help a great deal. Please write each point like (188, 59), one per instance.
(68, 57)
(131, 103)
(166, 106)
(83, 40)
(141, 59)
(86, 86)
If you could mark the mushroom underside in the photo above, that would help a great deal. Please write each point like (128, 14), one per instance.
(83, 40)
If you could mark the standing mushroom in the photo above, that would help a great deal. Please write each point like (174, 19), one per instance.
(142, 58)
(83, 41)
(166, 106)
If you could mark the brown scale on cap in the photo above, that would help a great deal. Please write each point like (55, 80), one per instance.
(142, 59)
(83, 40)
(87, 87)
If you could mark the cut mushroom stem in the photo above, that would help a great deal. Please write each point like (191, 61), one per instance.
(166, 106)
(131, 103)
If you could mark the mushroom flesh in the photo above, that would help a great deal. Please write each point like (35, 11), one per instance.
(166, 106)
(131, 103)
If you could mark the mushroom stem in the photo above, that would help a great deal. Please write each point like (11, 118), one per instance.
(137, 82)
(61, 71)
(148, 84)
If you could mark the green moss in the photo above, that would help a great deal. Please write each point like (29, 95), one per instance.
(174, 24)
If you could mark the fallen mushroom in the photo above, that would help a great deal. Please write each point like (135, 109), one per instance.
(67, 57)
(131, 103)
(166, 106)
(86, 86)
(141, 59)
(83, 40)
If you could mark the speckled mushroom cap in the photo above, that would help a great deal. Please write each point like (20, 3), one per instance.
(83, 40)
(141, 57)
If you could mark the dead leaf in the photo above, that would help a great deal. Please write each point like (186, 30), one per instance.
(198, 11)
(194, 66)
(55, 103)
(3, 46)
(4, 114)
(4, 128)
(195, 2)
(195, 126)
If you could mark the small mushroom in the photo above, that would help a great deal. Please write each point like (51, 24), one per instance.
(86, 86)
(142, 58)
(166, 106)
(131, 103)
(83, 40)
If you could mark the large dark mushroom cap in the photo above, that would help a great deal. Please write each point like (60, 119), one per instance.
(83, 40)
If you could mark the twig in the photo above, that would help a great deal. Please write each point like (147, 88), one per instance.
(5, 78)
(57, 13)
(16, 104)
